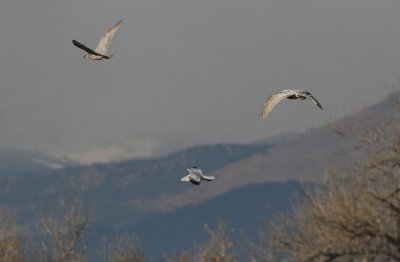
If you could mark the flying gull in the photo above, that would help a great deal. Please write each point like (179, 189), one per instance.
(195, 176)
(274, 99)
(100, 52)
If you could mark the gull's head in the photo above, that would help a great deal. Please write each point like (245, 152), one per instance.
(85, 56)
(185, 179)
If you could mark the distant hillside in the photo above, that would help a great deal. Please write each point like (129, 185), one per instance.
(151, 186)
(244, 209)
(304, 157)
(22, 161)
(134, 195)
(117, 191)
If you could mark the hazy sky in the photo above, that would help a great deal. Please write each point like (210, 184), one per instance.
(185, 72)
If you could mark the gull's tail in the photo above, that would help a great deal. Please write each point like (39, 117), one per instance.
(208, 178)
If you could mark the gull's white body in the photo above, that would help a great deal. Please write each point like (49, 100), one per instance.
(274, 99)
(100, 52)
(195, 176)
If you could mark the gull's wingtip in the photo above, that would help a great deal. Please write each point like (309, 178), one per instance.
(261, 117)
(318, 104)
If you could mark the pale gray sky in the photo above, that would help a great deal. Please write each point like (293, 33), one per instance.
(185, 72)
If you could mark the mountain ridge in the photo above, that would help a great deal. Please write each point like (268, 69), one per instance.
(126, 194)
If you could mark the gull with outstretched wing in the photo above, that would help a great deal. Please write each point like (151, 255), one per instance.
(195, 176)
(274, 99)
(100, 52)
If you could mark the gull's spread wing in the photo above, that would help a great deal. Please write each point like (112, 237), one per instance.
(106, 38)
(83, 47)
(316, 102)
(272, 101)
(195, 170)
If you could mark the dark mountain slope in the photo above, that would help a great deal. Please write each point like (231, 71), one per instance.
(304, 157)
(116, 189)
(243, 209)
